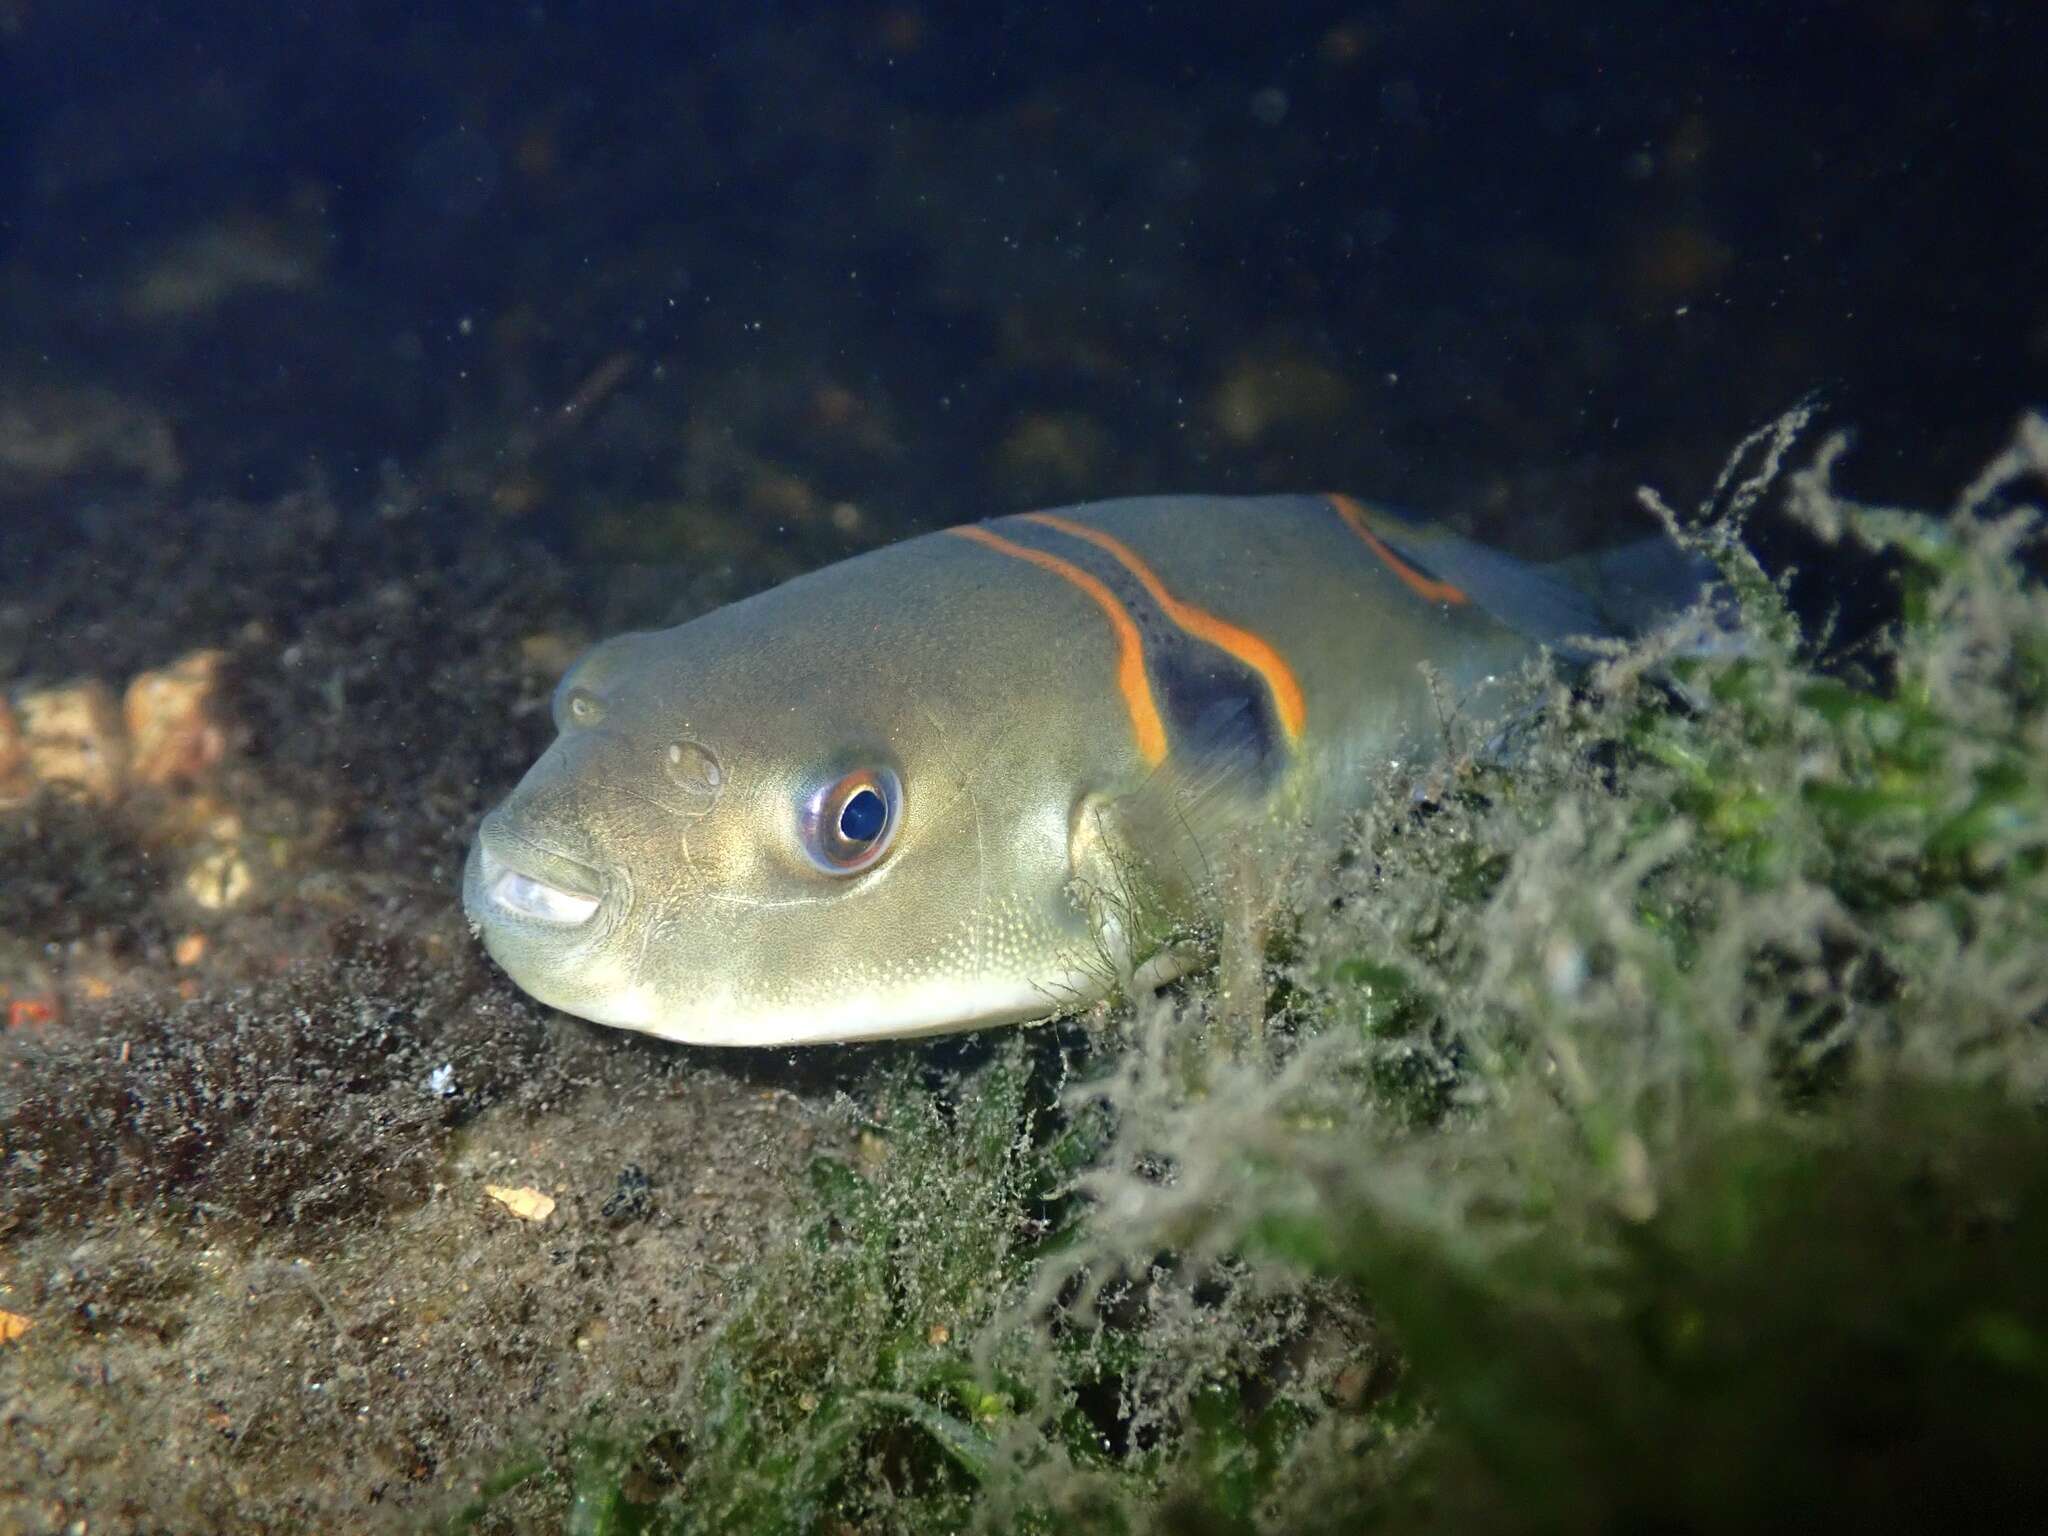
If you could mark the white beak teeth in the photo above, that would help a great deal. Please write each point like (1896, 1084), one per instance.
(535, 899)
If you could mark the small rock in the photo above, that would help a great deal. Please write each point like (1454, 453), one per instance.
(13, 1325)
(177, 725)
(526, 1203)
(73, 739)
(220, 879)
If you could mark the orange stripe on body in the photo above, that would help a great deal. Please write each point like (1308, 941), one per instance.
(1428, 588)
(1131, 680)
(1247, 647)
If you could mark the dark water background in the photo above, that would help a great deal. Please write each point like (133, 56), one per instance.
(1499, 261)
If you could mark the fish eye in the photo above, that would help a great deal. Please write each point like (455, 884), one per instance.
(582, 707)
(848, 824)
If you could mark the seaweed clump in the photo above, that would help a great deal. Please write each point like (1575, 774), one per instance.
(1644, 1131)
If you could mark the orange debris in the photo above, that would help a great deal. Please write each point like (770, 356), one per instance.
(31, 1012)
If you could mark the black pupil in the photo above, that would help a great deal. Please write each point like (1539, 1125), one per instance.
(861, 818)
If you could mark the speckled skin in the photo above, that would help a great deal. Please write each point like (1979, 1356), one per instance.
(989, 685)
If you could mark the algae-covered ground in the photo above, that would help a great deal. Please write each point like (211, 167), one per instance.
(247, 1140)
(1638, 1125)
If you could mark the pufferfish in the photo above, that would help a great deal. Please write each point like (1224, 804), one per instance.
(885, 798)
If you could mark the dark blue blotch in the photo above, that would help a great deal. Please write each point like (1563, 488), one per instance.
(1219, 710)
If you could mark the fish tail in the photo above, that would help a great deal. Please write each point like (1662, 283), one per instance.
(1638, 585)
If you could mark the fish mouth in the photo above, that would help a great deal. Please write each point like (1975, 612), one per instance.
(514, 878)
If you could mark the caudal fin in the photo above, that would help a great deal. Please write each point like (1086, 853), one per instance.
(1641, 584)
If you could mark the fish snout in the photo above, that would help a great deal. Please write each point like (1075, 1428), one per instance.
(512, 878)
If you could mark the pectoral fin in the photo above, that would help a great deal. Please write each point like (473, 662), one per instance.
(1147, 864)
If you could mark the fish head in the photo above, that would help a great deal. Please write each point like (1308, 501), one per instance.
(754, 830)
